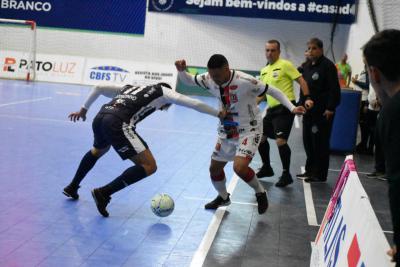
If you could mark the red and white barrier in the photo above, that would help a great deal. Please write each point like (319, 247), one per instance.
(350, 234)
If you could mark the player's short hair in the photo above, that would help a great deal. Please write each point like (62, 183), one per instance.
(382, 52)
(317, 42)
(217, 61)
(165, 85)
(273, 41)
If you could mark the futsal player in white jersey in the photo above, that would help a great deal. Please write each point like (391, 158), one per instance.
(115, 125)
(239, 134)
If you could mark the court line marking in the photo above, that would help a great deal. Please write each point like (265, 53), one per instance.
(68, 93)
(311, 215)
(25, 101)
(202, 251)
(296, 122)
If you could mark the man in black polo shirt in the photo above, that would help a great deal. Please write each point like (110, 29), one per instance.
(321, 77)
(382, 56)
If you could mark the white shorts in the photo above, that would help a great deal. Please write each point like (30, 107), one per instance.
(245, 146)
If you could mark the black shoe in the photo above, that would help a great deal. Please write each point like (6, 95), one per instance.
(265, 171)
(101, 201)
(303, 175)
(314, 180)
(284, 180)
(376, 175)
(218, 202)
(71, 191)
(262, 201)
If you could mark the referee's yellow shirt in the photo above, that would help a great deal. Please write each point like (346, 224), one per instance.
(280, 75)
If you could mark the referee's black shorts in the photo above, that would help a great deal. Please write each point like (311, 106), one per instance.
(278, 122)
(108, 130)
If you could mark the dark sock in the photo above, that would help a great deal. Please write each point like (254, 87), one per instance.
(87, 163)
(128, 177)
(263, 149)
(285, 153)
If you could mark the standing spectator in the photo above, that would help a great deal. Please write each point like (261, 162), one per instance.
(379, 158)
(382, 56)
(278, 120)
(321, 77)
(343, 72)
(361, 83)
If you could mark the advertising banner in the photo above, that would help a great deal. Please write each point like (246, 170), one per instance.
(120, 72)
(48, 67)
(350, 234)
(318, 10)
(122, 16)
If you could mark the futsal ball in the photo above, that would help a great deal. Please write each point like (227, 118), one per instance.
(162, 205)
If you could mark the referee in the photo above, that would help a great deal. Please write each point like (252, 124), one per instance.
(278, 121)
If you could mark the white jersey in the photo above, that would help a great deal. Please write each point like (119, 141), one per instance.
(239, 97)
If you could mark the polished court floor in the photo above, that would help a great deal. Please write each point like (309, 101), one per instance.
(39, 153)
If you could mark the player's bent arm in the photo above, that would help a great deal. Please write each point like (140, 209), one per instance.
(182, 100)
(281, 97)
(187, 78)
(105, 90)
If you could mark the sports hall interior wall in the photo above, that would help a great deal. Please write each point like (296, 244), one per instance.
(195, 37)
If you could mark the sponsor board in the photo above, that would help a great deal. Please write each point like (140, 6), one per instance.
(49, 68)
(88, 71)
(122, 16)
(343, 11)
(350, 234)
(120, 72)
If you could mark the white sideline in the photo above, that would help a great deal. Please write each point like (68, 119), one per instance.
(201, 253)
(25, 101)
(296, 122)
(311, 215)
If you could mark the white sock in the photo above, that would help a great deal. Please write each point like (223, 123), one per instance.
(256, 185)
(221, 188)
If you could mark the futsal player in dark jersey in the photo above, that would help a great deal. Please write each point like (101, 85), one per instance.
(115, 125)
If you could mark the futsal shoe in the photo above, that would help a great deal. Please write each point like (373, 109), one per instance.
(218, 202)
(285, 180)
(262, 201)
(265, 171)
(376, 175)
(71, 191)
(303, 175)
(315, 180)
(101, 201)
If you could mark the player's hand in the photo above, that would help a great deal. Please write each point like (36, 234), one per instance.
(299, 110)
(328, 114)
(222, 114)
(392, 253)
(180, 65)
(309, 104)
(74, 116)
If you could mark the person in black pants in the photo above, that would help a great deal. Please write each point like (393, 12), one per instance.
(362, 83)
(382, 56)
(321, 77)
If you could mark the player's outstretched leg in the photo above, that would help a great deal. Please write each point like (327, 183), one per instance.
(87, 163)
